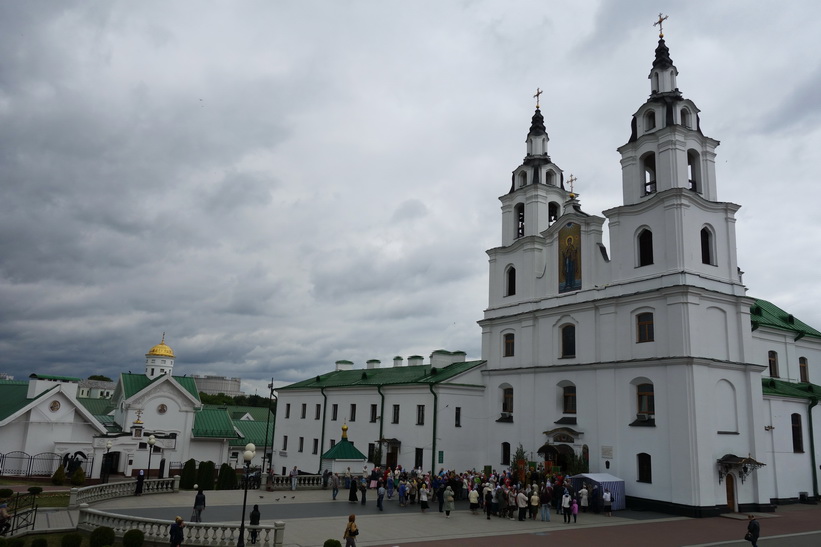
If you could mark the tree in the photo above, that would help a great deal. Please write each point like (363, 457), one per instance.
(59, 476)
(189, 475)
(100, 378)
(227, 479)
(206, 475)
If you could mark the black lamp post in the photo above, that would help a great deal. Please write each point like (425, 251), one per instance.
(248, 455)
(152, 440)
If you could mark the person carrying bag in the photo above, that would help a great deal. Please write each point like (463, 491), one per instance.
(351, 531)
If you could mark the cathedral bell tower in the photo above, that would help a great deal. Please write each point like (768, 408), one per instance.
(671, 220)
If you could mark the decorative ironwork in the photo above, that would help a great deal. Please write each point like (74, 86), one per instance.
(743, 467)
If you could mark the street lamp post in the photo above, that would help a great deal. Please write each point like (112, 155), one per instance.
(152, 440)
(248, 455)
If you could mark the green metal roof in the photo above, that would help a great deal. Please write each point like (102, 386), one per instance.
(419, 374)
(767, 314)
(96, 406)
(253, 432)
(50, 377)
(344, 450)
(801, 390)
(12, 397)
(214, 423)
(134, 383)
(257, 413)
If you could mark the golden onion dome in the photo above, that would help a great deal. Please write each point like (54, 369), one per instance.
(162, 350)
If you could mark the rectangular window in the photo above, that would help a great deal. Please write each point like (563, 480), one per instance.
(507, 400)
(333, 443)
(304, 410)
(509, 348)
(418, 456)
(803, 370)
(318, 412)
(772, 360)
(644, 328)
(334, 412)
(287, 411)
(420, 414)
(569, 400)
(371, 450)
(457, 417)
(285, 442)
(645, 467)
(301, 444)
(352, 417)
(797, 434)
(647, 403)
(316, 446)
(395, 414)
(373, 413)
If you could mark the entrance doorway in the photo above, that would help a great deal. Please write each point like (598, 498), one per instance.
(729, 481)
(558, 454)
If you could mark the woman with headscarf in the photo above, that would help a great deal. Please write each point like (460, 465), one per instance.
(354, 486)
(449, 501)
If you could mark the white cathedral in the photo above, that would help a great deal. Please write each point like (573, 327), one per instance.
(649, 360)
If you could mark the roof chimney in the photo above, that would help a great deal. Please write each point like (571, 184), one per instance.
(372, 363)
(344, 365)
(398, 361)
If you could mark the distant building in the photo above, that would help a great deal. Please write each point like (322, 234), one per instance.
(216, 385)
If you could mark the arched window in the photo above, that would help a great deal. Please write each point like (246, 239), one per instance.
(645, 469)
(646, 399)
(510, 281)
(648, 163)
(552, 212)
(569, 341)
(656, 86)
(522, 178)
(694, 170)
(707, 254)
(803, 370)
(797, 433)
(509, 345)
(644, 328)
(520, 219)
(505, 453)
(685, 118)
(569, 399)
(772, 361)
(649, 120)
(645, 248)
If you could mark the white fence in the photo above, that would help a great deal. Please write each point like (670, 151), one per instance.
(156, 531)
(110, 490)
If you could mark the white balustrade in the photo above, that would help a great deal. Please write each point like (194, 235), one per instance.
(196, 533)
(107, 491)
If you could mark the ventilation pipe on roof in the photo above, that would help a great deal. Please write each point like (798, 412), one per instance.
(373, 363)
(397, 361)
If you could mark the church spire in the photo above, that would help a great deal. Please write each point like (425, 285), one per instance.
(663, 74)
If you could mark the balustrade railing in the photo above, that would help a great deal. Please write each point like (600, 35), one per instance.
(197, 533)
(283, 482)
(107, 491)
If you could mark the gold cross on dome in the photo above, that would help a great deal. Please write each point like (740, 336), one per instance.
(536, 96)
(662, 19)
(571, 180)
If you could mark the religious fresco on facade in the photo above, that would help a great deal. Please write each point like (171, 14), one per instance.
(570, 264)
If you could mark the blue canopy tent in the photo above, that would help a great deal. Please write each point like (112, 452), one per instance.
(602, 481)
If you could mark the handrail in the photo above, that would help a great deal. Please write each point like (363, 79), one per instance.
(109, 490)
(196, 533)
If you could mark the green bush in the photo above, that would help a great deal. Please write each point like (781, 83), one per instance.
(133, 538)
(227, 479)
(6, 493)
(72, 539)
(39, 542)
(35, 490)
(101, 537)
(79, 477)
(206, 475)
(59, 476)
(189, 475)
(15, 542)
(332, 543)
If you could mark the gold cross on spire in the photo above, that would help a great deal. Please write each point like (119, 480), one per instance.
(661, 20)
(536, 96)
(571, 180)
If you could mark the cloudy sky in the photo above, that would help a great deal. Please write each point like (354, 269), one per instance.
(280, 185)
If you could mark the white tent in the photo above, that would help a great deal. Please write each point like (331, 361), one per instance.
(601, 481)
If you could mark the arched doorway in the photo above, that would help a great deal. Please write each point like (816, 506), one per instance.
(729, 482)
(557, 455)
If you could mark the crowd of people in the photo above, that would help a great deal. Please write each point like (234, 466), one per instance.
(524, 496)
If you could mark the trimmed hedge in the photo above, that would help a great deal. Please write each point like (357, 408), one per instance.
(133, 538)
(189, 475)
(72, 539)
(102, 537)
